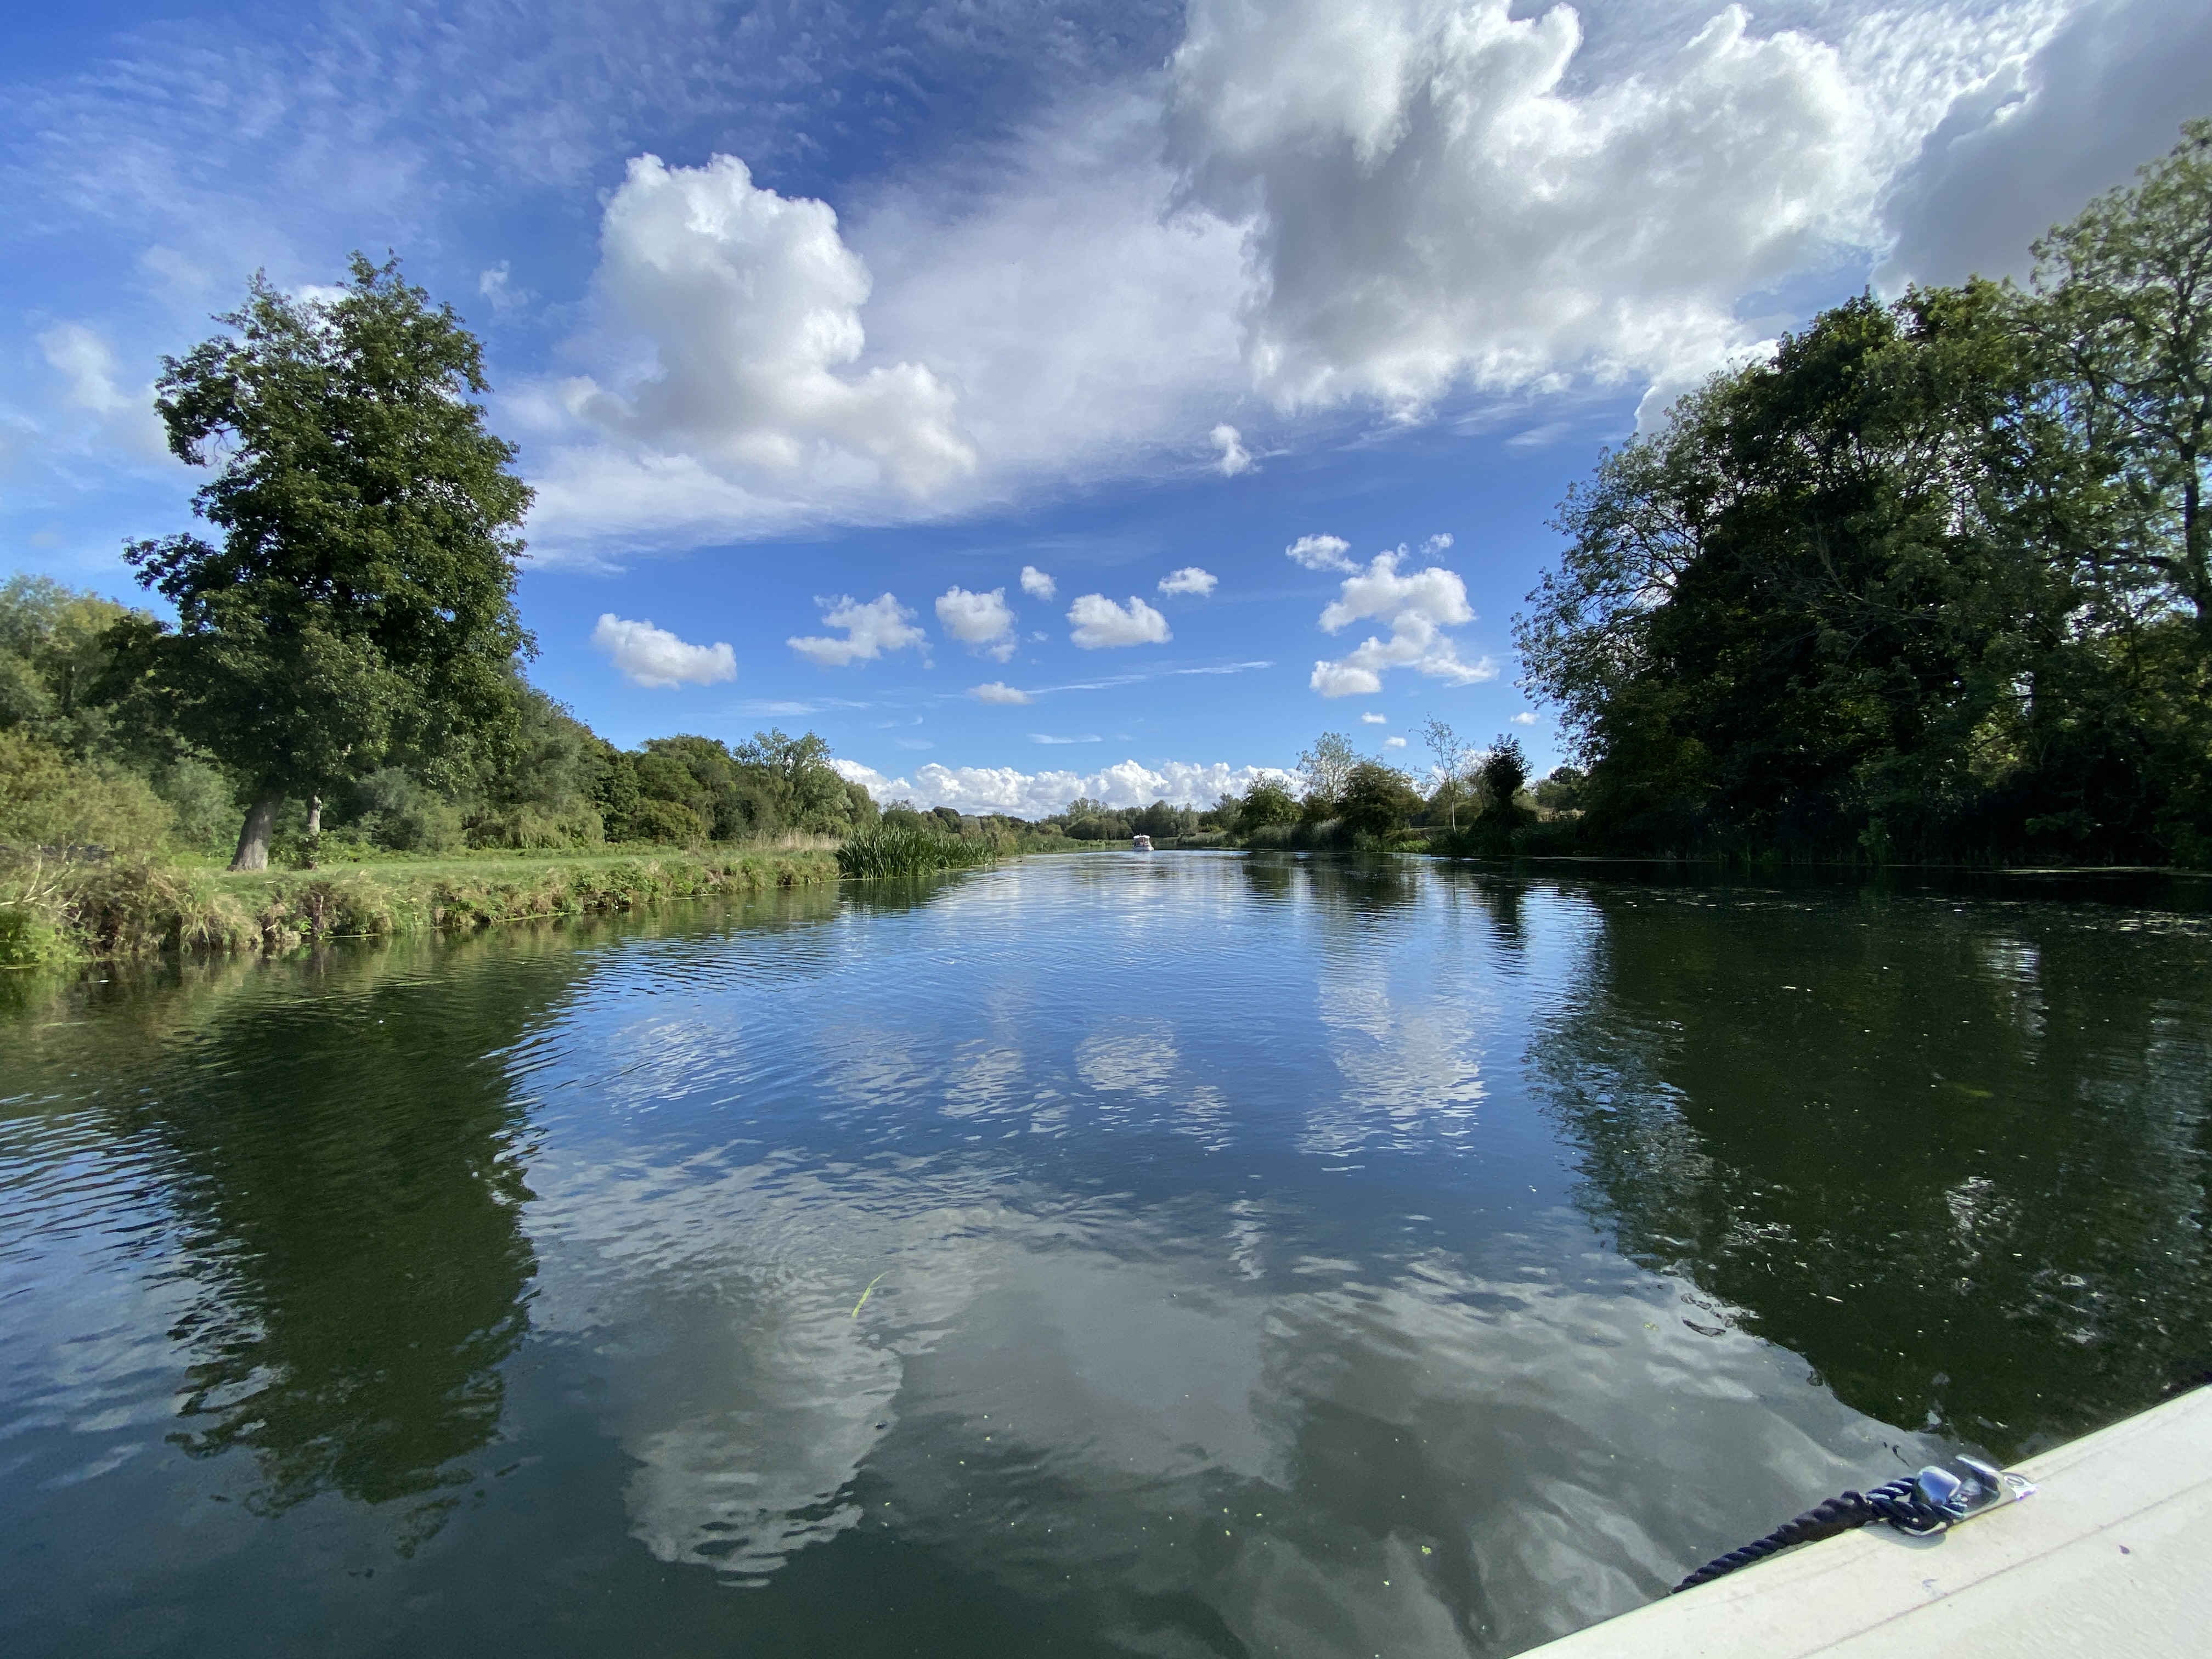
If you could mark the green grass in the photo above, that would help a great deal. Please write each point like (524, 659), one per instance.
(128, 910)
(889, 852)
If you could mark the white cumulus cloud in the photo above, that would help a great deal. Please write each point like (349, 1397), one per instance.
(1417, 606)
(982, 622)
(1036, 584)
(651, 656)
(1039, 795)
(998, 692)
(1439, 192)
(1320, 553)
(1189, 579)
(733, 320)
(1100, 622)
(1394, 742)
(752, 301)
(1234, 457)
(880, 625)
(1374, 719)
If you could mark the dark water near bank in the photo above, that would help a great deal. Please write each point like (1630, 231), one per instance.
(1266, 1258)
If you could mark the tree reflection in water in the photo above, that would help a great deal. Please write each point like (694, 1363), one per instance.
(344, 1164)
(1957, 1159)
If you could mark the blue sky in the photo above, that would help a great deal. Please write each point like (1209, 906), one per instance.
(792, 308)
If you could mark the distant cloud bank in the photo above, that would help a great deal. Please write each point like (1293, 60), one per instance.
(1020, 794)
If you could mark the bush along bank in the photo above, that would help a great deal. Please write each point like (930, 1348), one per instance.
(59, 910)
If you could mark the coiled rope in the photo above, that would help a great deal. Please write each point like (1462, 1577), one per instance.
(1901, 1503)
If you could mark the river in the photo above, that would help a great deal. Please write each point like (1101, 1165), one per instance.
(1189, 1254)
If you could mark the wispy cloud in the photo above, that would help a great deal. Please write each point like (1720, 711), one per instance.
(1112, 681)
(791, 708)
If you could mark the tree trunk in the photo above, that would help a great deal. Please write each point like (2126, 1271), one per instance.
(253, 836)
(314, 815)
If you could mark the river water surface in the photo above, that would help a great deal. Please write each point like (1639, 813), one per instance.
(1182, 1256)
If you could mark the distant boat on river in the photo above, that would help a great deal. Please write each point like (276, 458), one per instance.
(1144, 843)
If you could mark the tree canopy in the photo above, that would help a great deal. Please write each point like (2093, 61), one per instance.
(358, 611)
(1928, 583)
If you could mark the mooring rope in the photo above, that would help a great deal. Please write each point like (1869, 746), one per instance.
(1904, 1504)
(1941, 1495)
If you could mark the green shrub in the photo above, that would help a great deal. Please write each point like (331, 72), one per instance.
(535, 829)
(33, 915)
(28, 940)
(390, 809)
(1377, 800)
(667, 822)
(203, 804)
(49, 800)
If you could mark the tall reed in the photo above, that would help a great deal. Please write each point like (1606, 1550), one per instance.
(892, 851)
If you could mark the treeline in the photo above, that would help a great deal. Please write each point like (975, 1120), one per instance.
(1936, 582)
(1471, 801)
(1468, 799)
(1086, 819)
(89, 759)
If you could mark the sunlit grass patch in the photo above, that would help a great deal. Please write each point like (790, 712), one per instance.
(116, 908)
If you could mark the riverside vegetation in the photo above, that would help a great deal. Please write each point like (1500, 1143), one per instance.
(114, 824)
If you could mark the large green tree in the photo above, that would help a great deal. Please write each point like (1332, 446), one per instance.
(358, 611)
(2125, 319)
(1930, 582)
(795, 787)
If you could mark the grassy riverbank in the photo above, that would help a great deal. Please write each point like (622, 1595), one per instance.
(60, 911)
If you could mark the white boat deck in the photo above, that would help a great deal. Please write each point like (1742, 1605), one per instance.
(2112, 1556)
